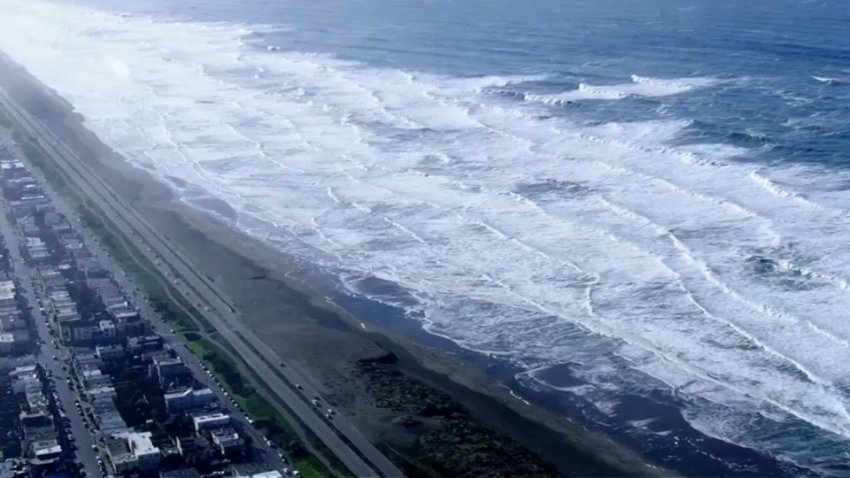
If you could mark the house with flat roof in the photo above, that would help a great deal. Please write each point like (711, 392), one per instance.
(210, 421)
(45, 450)
(106, 330)
(108, 352)
(106, 415)
(105, 391)
(170, 371)
(264, 474)
(11, 320)
(14, 342)
(7, 292)
(187, 399)
(227, 441)
(147, 343)
(133, 451)
(181, 473)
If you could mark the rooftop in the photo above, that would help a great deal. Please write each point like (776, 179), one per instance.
(264, 474)
(45, 447)
(137, 443)
(226, 437)
(7, 290)
(186, 392)
(210, 420)
(181, 473)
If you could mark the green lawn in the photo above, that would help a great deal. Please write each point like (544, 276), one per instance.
(266, 418)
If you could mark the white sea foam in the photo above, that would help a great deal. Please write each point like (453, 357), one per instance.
(831, 80)
(639, 87)
(535, 239)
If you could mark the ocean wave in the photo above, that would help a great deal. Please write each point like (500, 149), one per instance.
(535, 238)
(831, 81)
(643, 87)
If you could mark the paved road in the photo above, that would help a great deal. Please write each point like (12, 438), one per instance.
(268, 457)
(199, 289)
(26, 277)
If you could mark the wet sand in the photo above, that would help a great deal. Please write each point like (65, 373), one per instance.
(421, 400)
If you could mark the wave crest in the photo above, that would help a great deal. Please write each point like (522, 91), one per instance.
(640, 87)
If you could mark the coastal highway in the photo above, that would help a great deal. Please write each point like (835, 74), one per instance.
(266, 458)
(343, 439)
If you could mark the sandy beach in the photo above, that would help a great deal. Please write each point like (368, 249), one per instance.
(426, 405)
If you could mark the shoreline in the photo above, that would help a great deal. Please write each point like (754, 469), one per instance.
(290, 309)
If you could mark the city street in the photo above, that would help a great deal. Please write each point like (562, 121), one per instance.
(268, 458)
(26, 276)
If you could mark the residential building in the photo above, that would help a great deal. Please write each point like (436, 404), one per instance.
(133, 451)
(227, 440)
(181, 473)
(187, 399)
(108, 352)
(210, 421)
(147, 343)
(170, 371)
(265, 474)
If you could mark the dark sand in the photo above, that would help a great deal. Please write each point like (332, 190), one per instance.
(420, 401)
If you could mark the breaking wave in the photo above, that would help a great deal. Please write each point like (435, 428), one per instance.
(609, 246)
(639, 87)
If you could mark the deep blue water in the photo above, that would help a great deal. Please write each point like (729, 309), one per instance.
(779, 45)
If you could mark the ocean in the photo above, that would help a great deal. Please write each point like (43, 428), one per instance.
(640, 209)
